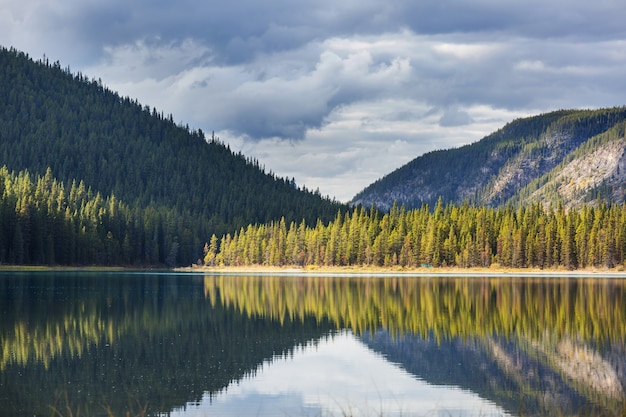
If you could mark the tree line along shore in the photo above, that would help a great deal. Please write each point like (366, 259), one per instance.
(44, 222)
(459, 236)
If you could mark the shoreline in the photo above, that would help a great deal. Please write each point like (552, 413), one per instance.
(312, 270)
(89, 268)
(421, 271)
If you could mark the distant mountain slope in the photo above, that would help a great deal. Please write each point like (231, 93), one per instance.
(596, 169)
(52, 118)
(493, 170)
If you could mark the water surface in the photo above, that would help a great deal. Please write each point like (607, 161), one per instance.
(219, 345)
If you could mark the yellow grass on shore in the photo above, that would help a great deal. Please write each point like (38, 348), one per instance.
(373, 270)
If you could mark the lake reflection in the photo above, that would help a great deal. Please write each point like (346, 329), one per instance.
(339, 376)
(194, 345)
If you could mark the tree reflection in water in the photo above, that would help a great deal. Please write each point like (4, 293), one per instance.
(166, 340)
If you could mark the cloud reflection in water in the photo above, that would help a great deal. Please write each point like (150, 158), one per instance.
(338, 376)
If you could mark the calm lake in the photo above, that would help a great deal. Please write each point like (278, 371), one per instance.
(107, 344)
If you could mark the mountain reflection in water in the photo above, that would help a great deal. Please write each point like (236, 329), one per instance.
(531, 346)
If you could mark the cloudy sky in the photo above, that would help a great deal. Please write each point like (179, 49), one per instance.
(337, 93)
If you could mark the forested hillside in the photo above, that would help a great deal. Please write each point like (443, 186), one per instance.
(44, 222)
(491, 171)
(120, 149)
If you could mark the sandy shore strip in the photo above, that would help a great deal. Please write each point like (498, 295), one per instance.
(422, 271)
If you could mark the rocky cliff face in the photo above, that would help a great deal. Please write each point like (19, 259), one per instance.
(575, 181)
(566, 156)
(531, 162)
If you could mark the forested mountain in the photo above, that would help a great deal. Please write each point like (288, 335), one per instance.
(558, 155)
(177, 188)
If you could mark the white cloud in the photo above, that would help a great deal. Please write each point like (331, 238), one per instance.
(466, 52)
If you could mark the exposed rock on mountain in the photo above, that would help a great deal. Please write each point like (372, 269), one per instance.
(567, 156)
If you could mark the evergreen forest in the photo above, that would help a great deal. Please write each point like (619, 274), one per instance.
(445, 235)
(95, 178)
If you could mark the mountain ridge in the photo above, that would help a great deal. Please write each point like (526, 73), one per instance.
(493, 170)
